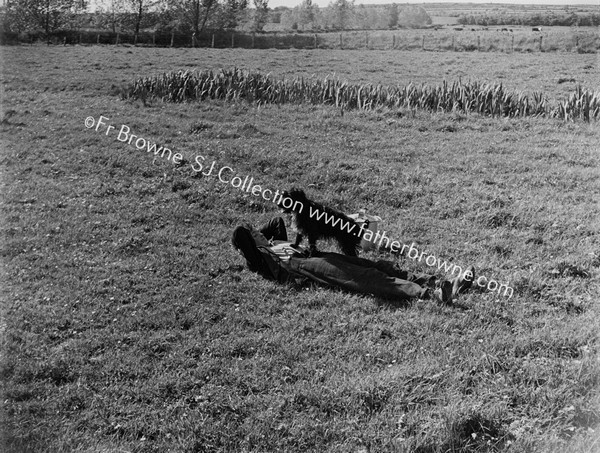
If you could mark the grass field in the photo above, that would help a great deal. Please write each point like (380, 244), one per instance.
(130, 324)
(469, 38)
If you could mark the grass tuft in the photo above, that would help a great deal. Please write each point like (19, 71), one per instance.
(458, 97)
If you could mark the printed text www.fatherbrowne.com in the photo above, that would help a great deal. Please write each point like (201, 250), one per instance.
(227, 175)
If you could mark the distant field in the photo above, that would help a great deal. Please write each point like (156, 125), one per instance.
(455, 9)
(448, 13)
(129, 323)
(524, 72)
(470, 38)
(444, 20)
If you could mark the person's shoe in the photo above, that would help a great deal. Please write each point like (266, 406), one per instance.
(443, 294)
(463, 282)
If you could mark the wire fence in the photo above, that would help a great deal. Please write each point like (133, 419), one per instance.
(458, 40)
(217, 39)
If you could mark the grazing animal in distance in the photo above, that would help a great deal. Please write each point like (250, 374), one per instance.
(317, 221)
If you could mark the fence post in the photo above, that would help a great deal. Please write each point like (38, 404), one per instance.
(135, 37)
(341, 42)
(423, 44)
(117, 43)
(366, 40)
(212, 44)
(541, 43)
(194, 39)
(98, 38)
(315, 46)
(232, 39)
(512, 44)
(172, 37)
(478, 43)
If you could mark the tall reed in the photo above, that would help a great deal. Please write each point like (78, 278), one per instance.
(483, 98)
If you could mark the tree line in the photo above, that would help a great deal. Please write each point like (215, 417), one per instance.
(535, 19)
(196, 16)
(345, 15)
(131, 15)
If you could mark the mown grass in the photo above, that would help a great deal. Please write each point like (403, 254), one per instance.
(132, 325)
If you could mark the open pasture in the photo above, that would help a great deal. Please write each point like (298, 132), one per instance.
(469, 38)
(98, 69)
(130, 324)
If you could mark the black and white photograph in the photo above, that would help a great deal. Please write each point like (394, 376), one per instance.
(325, 226)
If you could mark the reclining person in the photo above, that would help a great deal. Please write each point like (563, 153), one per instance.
(269, 253)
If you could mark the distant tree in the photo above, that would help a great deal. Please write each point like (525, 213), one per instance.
(376, 18)
(192, 10)
(231, 12)
(467, 20)
(302, 17)
(413, 16)
(359, 17)
(369, 17)
(193, 15)
(393, 19)
(261, 14)
(276, 13)
(46, 15)
(550, 18)
(109, 15)
(209, 6)
(140, 9)
(306, 12)
(592, 20)
(574, 19)
(287, 18)
(342, 13)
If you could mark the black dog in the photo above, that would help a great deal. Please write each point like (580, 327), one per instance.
(317, 221)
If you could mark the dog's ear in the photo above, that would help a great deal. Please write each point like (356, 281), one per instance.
(297, 193)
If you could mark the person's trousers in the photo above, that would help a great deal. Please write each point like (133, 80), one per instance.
(380, 278)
